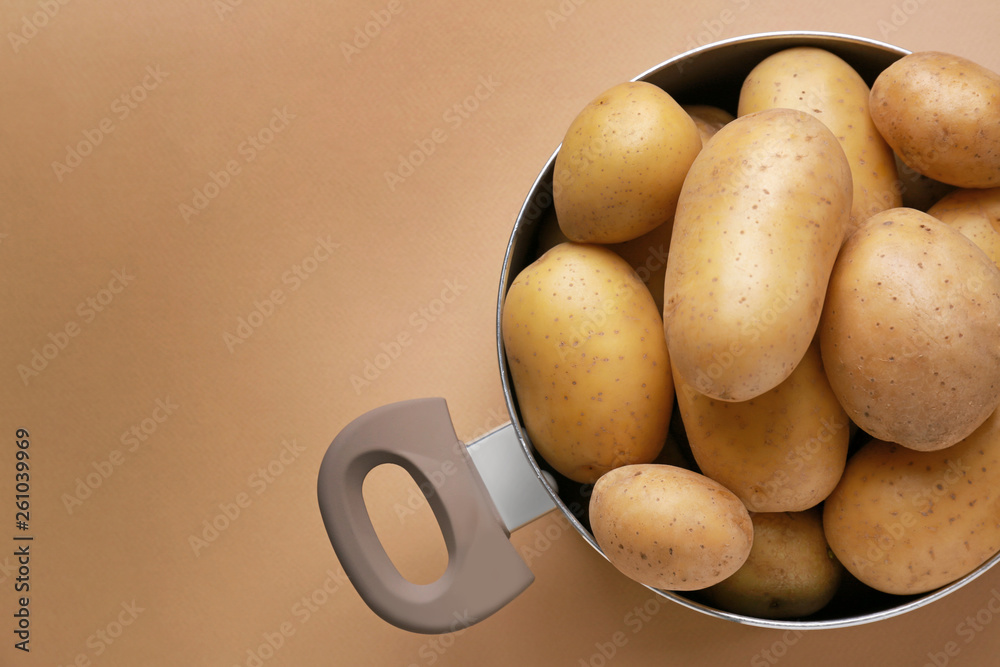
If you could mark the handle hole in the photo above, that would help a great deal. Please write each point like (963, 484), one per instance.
(405, 524)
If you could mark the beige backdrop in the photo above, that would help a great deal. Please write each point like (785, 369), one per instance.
(200, 248)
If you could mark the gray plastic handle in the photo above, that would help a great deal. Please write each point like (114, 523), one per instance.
(484, 570)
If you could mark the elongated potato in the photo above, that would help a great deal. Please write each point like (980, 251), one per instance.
(588, 361)
(668, 527)
(941, 114)
(761, 216)
(624, 156)
(976, 214)
(910, 333)
(783, 451)
(822, 84)
(907, 522)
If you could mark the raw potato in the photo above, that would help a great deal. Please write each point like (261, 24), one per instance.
(669, 528)
(783, 451)
(919, 191)
(975, 213)
(648, 256)
(907, 522)
(588, 362)
(910, 333)
(822, 84)
(941, 114)
(762, 214)
(790, 572)
(625, 157)
(709, 119)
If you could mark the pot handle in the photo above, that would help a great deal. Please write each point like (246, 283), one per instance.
(484, 570)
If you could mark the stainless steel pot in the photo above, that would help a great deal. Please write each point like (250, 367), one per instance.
(482, 492)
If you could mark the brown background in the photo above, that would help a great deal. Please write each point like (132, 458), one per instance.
(223, 70)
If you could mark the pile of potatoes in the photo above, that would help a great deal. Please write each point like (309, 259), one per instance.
(833, 350)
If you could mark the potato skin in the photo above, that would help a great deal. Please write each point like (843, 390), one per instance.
(822, 84)
(790, 572)
(941, 114)
(919, 191)
(783, 451)
(976, 214)
(625, 156)
(708, 119)
(907, 522)
(647, 253)
(761, 216)
(588, 362)
(910, 333)
(668, 527)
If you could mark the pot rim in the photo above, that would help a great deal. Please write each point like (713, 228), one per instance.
(538, 202)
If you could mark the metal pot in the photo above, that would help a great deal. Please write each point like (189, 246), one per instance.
(481, 492)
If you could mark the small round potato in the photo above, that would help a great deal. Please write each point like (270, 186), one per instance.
(588, 361)
(910, 332)
(941, 114)
(624, 158)
(668, 527)
(975, 213)
(790, 572)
